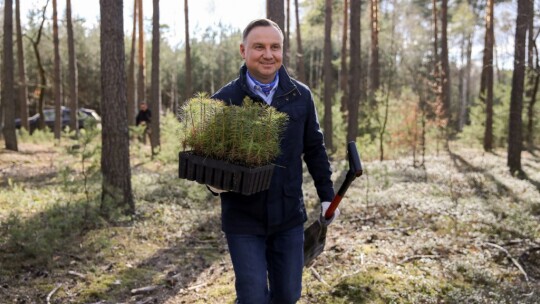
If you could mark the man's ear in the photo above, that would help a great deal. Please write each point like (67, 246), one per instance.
(242, 51)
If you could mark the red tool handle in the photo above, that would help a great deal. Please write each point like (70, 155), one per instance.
(355, 170)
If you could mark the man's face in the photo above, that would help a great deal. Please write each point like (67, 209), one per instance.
(263, 52)
(143, 107)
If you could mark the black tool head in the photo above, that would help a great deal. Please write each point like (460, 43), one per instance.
(314, 241)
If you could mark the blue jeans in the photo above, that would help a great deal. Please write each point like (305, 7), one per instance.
(277, 259)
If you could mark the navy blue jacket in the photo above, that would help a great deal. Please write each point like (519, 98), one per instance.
(282, 206)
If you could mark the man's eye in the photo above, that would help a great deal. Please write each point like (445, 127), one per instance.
(276, 47)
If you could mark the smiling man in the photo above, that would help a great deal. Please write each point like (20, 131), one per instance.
(265, 231)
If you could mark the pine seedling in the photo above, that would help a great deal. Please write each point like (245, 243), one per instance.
(246, 135)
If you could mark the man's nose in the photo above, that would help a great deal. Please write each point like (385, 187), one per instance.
(268, 53)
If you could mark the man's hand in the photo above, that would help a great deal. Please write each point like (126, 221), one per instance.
(324, 206)
(215, 190)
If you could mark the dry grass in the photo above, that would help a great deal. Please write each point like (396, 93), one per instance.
(406, 235)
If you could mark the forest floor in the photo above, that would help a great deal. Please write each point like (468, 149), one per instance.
(459, 229)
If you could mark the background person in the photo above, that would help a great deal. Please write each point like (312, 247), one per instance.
(144, 117)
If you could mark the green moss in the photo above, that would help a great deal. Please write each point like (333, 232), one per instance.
(379, 285)
(117, 285)
(222, 290)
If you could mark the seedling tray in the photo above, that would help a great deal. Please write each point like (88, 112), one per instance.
(224, 175)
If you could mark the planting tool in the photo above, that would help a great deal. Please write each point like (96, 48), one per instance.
(315, 234)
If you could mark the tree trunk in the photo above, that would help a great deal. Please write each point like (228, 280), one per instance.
(286, 42)
(464, 111)
(189, 89)
(487, 76)
(57, 80)
(275, 11)
(461, 84)
(516, 99)
(23, 89)
(375, 68)
(141, 88)
(8, 91)
(41, 69)
(155, 102)
(530, 110)
(530, 38)
(389, 81)
(436, 65)
(344, 72)
(131, 92)
(328, 79)
(532, 79)
(73, 85)
(301, 73)
(445, 75)
(355, 70)
(115, 138)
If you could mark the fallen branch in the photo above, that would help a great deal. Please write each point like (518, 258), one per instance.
(516, 263)
(197, 286)
(49, 296)
(77, 274)
(418, 257)
(395, 228)
(350, 274)
(146, 289)
(363, 219)
(318, 276)
(146, 301)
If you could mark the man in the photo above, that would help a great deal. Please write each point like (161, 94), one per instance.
(144, 118)
(265, 231)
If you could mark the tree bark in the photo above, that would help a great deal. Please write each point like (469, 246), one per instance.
(131, 92)
(487, 76)
(189, 88)
(141, 78)
(328, 79)
(286, 42)
(8, 91)
(155, 103)
(115, 167)
(57, 80)
(73, 83)
(301, 73)
(461, 84)
(464, 110)
(445, 75)
(436, 65)
(41, 69)
(355, 70)
(530, 110)
(375, 68)
(516, 97)
(533, 75)
(389, 79)
(23, 89)
(344, 73)
(275, 11)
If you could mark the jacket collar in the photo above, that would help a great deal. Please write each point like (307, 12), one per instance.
(285, 85)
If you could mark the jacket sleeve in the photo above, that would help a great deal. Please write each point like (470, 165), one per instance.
(315, 155)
